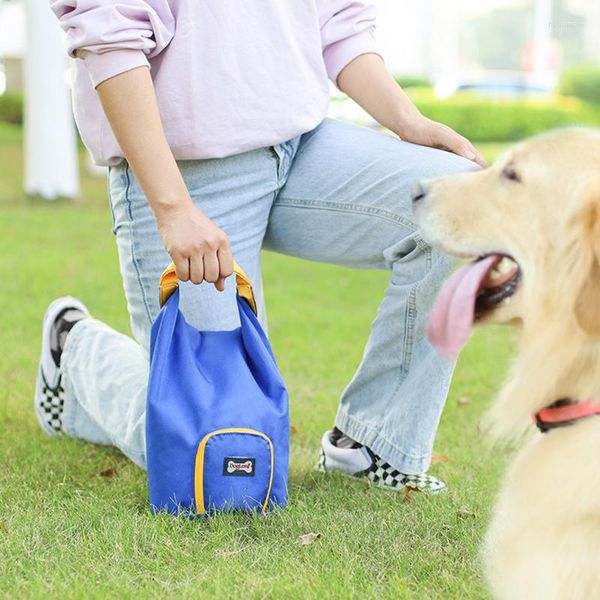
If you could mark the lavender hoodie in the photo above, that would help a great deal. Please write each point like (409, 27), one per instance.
(230, 75)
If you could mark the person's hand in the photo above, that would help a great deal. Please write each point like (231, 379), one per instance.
(424, 131)
(199, 249)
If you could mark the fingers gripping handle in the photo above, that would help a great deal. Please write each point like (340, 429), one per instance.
(169, 283)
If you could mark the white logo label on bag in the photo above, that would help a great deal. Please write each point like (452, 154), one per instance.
(238, 466)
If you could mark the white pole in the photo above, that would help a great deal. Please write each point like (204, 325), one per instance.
(50, 141)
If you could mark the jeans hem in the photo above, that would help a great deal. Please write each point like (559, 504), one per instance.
(375, 441)
(71, 406)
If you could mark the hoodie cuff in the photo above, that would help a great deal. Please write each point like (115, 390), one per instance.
(341, 53)
(113, 62)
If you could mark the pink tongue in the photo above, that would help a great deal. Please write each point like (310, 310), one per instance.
(453, 313)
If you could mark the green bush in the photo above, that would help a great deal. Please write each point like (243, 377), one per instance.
(11, 108)
(582, 82)
(412, 81)
(489, 120)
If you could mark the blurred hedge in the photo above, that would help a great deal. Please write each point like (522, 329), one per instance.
(412, 81)
(582, 82)
(11, 108)
(479, 119)
(488, 120)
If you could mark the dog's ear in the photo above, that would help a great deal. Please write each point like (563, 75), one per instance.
(587, 303)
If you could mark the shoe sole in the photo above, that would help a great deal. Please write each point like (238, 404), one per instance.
(53, 310)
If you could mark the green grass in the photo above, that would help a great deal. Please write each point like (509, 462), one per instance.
(66, 531)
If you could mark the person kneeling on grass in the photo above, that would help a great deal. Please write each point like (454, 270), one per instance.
(211, 119)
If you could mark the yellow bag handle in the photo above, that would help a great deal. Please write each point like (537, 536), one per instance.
(169, 283)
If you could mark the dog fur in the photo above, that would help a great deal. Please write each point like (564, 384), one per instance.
(540, 204)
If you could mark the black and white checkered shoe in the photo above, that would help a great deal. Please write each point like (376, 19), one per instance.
(357, 461)
(49, 398)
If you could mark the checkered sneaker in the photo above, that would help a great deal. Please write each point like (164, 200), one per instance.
(51, 403)
(384, 475)
(49, 400)
(321, 468)
(361, 463)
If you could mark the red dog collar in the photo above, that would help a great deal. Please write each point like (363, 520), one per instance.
(564, 412)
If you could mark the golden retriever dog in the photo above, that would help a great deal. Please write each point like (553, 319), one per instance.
(530, 225)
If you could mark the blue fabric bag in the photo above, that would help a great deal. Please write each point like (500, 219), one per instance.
(217, 419)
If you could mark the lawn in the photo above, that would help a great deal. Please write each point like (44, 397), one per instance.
(67, 530)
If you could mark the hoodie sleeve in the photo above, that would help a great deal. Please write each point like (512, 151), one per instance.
(347, 31)
(116, 35)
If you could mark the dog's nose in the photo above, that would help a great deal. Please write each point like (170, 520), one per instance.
(419, 193)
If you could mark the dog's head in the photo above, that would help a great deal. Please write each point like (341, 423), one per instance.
(530, 228)
(530, 225)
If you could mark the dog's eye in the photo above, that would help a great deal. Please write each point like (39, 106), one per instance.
(511, 174)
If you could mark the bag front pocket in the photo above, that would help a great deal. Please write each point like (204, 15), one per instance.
(233, 470)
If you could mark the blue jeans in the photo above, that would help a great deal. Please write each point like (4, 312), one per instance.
(338, 194)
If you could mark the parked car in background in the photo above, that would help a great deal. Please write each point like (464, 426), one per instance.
(498, 84)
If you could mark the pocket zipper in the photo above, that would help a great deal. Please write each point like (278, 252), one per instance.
(199, 466)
